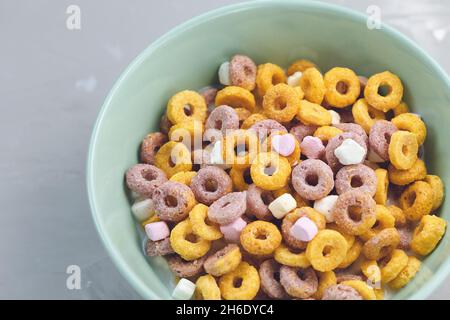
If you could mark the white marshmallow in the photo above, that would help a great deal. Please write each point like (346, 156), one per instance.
(373, 157)
(325, 205)
(282, 205)
(224, 74)
(335, 117)
(184, 290)
(294, 80)
(350, 152)
(143, 209)
(216, 156)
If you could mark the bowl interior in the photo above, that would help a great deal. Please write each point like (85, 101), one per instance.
(188, 58)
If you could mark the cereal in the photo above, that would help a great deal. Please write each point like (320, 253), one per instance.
(417, 200)
(366, 292)
(326, 280)
(260, 238)
(184, 177)
(299, 283)
(200, 227)
(312, 147)
(242, 114)
(223, 261)
(399, 216)
(327, 250)
(186, 105)
(313, 114)
(223, 118)
(240, 147)
(355, 128)
(265, 128)
(438, 190)
(242, 72)
(380, 136)
(335, 77)
(258, 201)
(394, 91)
(404, 177)
(144, 179)
(185, 269)
(403, 150)
(236, 97)
(164, 124)
(381, 192)
(210, 184)
(150, 145)
(158, 248)
(186, 132)
(228, 208)
(249, 283)
(405, 238)
(401, 108)
(312, 179)
(384, 219)
(411, 123)
(173, 201)
(173, 157)
(341, 292)
(300, 66)
(356, 177)
(313, 85)
(187, 249)
(366, 115)
(325, 133)
(232, 231)
(352, 254)
(282, 205)
(209, 94)
(381, 244)
(206, 288)
(336, 142)
(270, 171)
(281, 102)
(252, 119)
(396, 263)
(427, 234)
(267, 76)
(271, 286)
(183, 290)
(291, 218)
(300, 131)
(288, 257)
(406, 274)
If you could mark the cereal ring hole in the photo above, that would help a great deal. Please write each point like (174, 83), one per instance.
(247, 176)
(237, 282)
(411, 199)
(211, 185)
(187, 109)
(356, 182)
(355, 212)
(384, 89)
(150, 176)
(270, 169)
(192, 238)
(218, 124)
(327, 251)
(171, 201)
(342, 87)
(302, 274)
(312, 179)
(241, 149)
(280, 103)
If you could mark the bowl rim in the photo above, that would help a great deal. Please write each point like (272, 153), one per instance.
(142, 289)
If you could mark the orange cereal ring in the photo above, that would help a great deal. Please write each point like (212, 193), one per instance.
(406, 274)
(403, 150)
(269, 171)
(380, 196)
(412, 123)
(399, 216)
(401, 108)
(417, 200)
(223, 261)
(397, 261)
(288, 257)
(186, 105)
(371, 270)
(260, 238)
(186, 132)
(313, 114)
(184, 177)
(403, 177)
(366, 292)
(326, 279)
(427, 234)
(242, 114)
(394, 91)
(384, 219)
(181, 244)
(294, 157)
(240, 147)
(241, 178)
(352, 254)
(438, 190)
(236, 97)
(208, 231)
(251, 120)
(313, 85)
(206, 288)
(327, 250)
(341, 77)
(268, 74)
(366, 115)
(325, 133)
(281, 102)
(248, 281)
(381, 244)
(300, 66)
(173, 157)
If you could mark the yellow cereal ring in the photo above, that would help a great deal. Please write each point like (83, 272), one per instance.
(403, 177)
(280, 175)
(348, 237)
(372, 271)
(427, 234)
(352, 254)
(379, 293)
(241, 178)
(366, 115)
(177, 111)
(401, 108)
(260, 237)
(173, 157)
(412, 123)
(366, 292)
(313, 114)
(326, 279)
(206, 288)
(287, 189)
(417, 200)
(300, 66)
(285, 256)
(396, 263)
(254, 118)
(403, 150)
(248, 287)
(152, 219)
(406, 274)
(236, 97)
(242, 114)
(198, 216)
(325, 133)
(393, 96)
(380, 196)
(327, 250)
(438, 190)
(381, 244)
(184, 177)
(294, 157)
(397, 213)
(281, 102)
(186, 132)
(313, 85)
(186, 249)
(268, 74)
(237, 139)
(223, 261)
(384, 220)
(337, 76)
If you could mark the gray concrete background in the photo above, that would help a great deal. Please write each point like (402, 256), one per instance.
(52, 84)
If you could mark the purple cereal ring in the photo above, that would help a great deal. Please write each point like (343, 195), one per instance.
(144, 179)
(299, 283)
(356, 177)
(341, 292)
(210, 184)
(185, 269)
(223, 118)
(342, 276)
(269, 284)
(355, 128)
(312, 179)
(243, 72)
(302, 130)
(335, 142)
(288, 221)
(380, 137)
(209, 94)
(150, 145)
(165, 124)
(265, 128)
(228, 208)
(173, 201)
(158, 248)
(405, 238)
(258, 201)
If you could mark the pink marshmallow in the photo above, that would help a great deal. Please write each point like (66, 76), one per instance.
(283, 144)
(304, 229)
(157, 230)
(232, 231)
(312, 147)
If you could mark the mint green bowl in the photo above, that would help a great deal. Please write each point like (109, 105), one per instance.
(188, 57)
